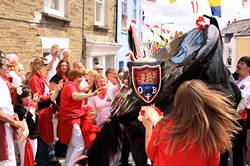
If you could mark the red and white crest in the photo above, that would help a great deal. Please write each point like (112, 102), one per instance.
(146, 81)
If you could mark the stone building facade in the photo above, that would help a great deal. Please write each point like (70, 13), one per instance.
(29, 28)
(236, 42)
(100, 33)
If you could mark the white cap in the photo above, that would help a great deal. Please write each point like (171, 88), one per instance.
(66, 50)
(98, 67)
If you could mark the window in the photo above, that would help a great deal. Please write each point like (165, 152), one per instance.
(121, 64)
(99, 12)
(134, 10)
(56, 7)
(229, 58)
(124, 15)
(47, 42)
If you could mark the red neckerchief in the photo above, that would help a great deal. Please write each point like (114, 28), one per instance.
(102, 93)
(29, 105)
(7, 81)
(65, 78)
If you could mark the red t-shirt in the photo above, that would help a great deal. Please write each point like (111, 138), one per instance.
(192, 156)
(70, 112)
(68, 105)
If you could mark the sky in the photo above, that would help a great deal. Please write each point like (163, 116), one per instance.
(179, 16)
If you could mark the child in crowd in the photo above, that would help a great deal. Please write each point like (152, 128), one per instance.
(26, 108)
(90, 128)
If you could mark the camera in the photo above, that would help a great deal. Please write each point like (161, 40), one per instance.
(58, 54)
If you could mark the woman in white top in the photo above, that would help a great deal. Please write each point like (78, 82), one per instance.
(102, 102)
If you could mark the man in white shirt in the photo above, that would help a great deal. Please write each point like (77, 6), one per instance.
(112, 76)
(66, 54)
(98, 68)
(243, 82)
(7, 122)
(53, 59)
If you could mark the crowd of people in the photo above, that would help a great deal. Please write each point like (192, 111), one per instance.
(65, 106)
(63, 103)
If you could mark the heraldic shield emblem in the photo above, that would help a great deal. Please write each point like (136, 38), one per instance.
(146, 80)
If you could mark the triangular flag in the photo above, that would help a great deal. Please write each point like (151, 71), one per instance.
(194, 4)
(151, 0)
(215, 7)
(172, 1)
(156, 26)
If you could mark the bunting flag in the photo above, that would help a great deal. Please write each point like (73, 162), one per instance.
(171, 1)
(215, 7)
(165, 40)
(244, 3)
(195, 6)
(156, 26)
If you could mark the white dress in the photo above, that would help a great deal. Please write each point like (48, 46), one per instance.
(7, 108)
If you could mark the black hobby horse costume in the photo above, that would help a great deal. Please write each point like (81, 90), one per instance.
(195, 55)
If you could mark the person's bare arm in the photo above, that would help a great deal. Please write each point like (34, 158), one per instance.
(56, 89)
(52, 86)
(148, 124)
(51, 62)
(82, 95)
(148, 134)
(8, 119)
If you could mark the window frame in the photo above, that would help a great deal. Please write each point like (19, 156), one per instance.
(134, 9)
(124, 21)
(58, 12)
(102, 14)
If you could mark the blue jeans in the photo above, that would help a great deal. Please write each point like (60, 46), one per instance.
(45, 152)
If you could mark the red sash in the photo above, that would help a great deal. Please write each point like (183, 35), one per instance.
(3, 143)
(28, 154)
(45, 125)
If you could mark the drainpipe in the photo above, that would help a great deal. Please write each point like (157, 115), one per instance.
(116, 20)
(83, 35)
(116, 29)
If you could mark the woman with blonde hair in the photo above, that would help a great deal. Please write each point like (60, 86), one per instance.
(200, 127)
(40, 88)
(90, 77)
(102, 102)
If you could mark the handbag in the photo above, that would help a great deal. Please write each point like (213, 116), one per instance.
(20, 134)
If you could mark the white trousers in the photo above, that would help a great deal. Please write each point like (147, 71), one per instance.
(75, 147)
(11, 149)
(21, 148)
